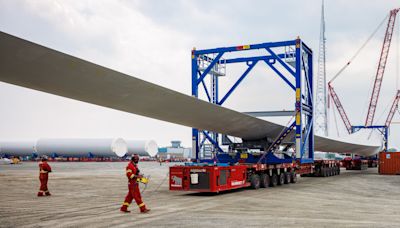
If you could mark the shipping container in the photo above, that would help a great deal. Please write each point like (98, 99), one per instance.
(389, 163)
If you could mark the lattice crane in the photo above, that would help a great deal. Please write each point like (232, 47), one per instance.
(378, 78)
(381, 67)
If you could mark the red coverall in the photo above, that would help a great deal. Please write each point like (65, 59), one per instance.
(134, 192)
(44, 170)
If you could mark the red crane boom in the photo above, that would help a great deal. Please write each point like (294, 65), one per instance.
(395, 106)
(340, 108)
(381, 67)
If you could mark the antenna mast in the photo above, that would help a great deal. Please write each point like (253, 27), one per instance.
(321, 120)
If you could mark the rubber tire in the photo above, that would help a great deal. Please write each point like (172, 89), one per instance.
(255, 181)
(273, 180)
(281, 179)
(324, 172)
(264, 180)
(318, 172)
(293, 177)
(287, 177)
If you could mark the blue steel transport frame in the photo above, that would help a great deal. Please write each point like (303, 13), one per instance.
(299, 71)
(384, 130)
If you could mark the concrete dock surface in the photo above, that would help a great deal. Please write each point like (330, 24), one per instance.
(89, 194)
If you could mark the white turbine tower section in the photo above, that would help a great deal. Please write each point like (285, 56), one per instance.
(78, 147)
(321, 115)
(82, 147)
(142, 147)
(18, 147)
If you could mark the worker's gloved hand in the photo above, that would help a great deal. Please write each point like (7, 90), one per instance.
(137, 171)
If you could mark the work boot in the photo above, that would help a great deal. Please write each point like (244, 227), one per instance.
(40, 194)
(124, 209)
(48, 194)
(144, 211)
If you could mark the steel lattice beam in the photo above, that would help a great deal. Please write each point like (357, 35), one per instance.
(395, 106)
(340, 108)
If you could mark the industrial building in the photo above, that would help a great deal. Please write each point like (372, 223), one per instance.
(175, 151)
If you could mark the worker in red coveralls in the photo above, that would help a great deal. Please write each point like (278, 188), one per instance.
(132, 172)
(44, 170)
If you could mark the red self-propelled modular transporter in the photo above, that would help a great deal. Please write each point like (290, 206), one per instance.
(218, 177)
(208, 178)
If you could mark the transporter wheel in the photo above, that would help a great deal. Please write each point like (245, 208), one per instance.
(281, 179)
(324, 172)
(293, 177)
(273, 180)
(264, 180)
(255, 181)
(317, 172)
(320, 172)
(287, 177)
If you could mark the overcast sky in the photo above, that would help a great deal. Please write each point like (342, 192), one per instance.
(152, 40)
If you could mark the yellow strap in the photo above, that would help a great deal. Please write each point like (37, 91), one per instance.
(128, 170)
(42, 171)
(132, 176)
(125, 204)
(141, 205)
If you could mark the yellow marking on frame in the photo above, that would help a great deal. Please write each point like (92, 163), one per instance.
(298, 119)
(245, 47)
(298, 93)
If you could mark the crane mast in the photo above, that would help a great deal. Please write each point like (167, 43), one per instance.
(381, 68)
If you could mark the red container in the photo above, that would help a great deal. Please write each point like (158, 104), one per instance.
(389, 163)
